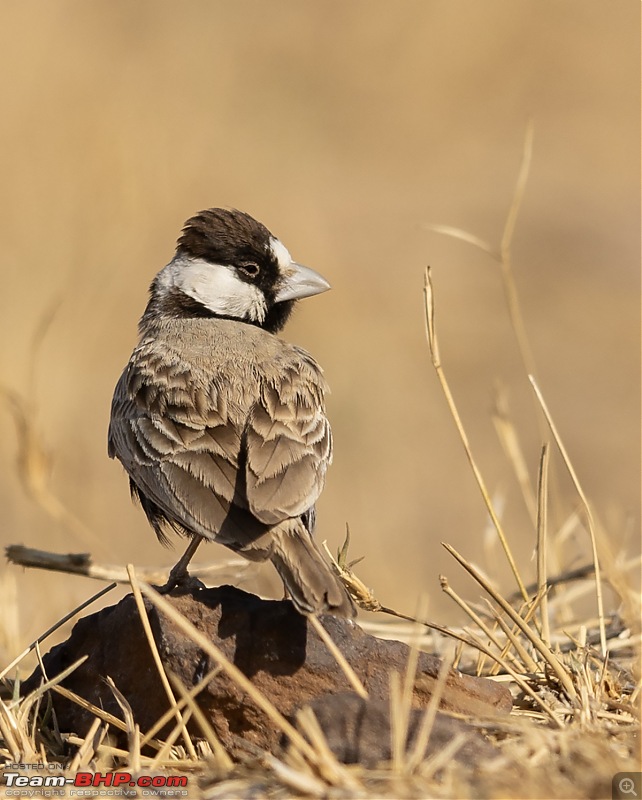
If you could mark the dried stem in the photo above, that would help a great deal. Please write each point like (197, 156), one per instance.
(338, 656)
(232, 671)
(512, 297)
(55, 627)
(536, 640)
(542, 530)
(587, 510)
(142, 612)
(436, 361)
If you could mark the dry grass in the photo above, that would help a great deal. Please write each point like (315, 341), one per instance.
(346, 125)
(575, 719)
(344, 128)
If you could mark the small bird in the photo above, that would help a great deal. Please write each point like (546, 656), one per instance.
(220, 424)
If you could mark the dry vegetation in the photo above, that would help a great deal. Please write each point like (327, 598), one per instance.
(575, 680)
(106, 169)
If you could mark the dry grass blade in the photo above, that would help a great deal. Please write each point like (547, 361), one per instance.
(475, 642)
(222, 760)
(398, 722)
(303, 783)
(26, 704)
(512, 297)
(55, 627)
(542, 530)
(418, 752)
(328, 766)
(568, 576)
(403, 708)
(90, 745)
(586, 505)
(527, 614)
(469, 639)
(513, 641)
(338, 656)
(464, 236)
(434, 351)
(231, 671)
(15, 737)
(510, 442)
(446, 588)
(373, 604)
(166, 717)
(536, 640)
(109, 751)
(142, 612)
(503, 255)
(168, 751)
(110, 719)
(133, 731)
(445, 755)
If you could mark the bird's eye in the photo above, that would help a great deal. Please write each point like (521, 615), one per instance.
(249, 268)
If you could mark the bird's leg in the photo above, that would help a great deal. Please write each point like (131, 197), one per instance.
(178, 574)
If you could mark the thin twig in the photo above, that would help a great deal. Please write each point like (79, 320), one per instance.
(83, 564)
(509, 439)
(88, 747)
(579, 574)
(449, 592)
(428, 717)
(231, 670)
(464, 236)
(341, 660)
(328, 765)
(223, 760)
(144, 618)
(55, 627)
(133, 730)
(512, 297)
(536, 640)
(542, 533)
(433, 344)
(587, 509)
(166, 717)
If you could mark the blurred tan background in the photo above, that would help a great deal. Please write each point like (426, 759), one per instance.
(345, 128)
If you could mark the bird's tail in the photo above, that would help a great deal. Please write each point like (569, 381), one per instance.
(311, 584)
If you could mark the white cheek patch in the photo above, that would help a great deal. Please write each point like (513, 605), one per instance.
(215, 286)
(283, 257)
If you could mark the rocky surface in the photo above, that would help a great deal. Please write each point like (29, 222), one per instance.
(274, 646)
(359, 731)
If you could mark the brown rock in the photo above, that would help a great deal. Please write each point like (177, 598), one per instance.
(359, 731)
(267, 640)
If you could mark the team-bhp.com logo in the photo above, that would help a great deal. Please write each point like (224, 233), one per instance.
(93, 784)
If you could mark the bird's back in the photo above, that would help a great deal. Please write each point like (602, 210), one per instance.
(221, 426)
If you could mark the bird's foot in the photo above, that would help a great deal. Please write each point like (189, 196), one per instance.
(179, 578)
(180, 581)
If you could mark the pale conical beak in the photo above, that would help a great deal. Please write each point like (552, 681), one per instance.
(301, 282)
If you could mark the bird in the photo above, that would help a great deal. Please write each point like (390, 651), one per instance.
(219, 423)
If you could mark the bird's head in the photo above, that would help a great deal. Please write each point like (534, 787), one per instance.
(229, 265)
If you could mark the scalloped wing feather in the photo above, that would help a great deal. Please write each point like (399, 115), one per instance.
(289, 445)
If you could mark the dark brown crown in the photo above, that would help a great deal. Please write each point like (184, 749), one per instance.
(223, 236)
